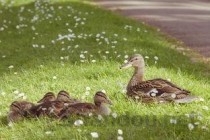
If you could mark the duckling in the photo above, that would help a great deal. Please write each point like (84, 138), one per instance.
(18, 110)
(52, 108)
(65, 97)
(100, 107)
(49, 96)
(49, 108)
(155, 90)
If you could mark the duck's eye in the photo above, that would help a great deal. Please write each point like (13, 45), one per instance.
(136, 59)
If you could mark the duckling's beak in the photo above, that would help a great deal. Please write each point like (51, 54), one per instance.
(109, 102)
(126, 65)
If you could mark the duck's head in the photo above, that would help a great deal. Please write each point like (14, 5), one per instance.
(20, 106)
(50, 96)
(135, 60)
(63, 96)
(101, 98)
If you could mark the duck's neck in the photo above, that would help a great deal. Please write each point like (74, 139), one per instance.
(137, 77)
(104, 109)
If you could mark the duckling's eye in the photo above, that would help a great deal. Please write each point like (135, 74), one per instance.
(136, 59)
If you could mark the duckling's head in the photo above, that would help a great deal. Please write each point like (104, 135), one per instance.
(136, 61)
(50, 96)
(63, 96)
(101, 98)
(21, 105)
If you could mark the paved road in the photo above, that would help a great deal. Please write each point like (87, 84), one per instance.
(186, 20)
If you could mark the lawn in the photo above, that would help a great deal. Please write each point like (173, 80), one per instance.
(72, 45)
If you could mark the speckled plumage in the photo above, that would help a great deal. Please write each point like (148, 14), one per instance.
(156, 90)
(100, 106)
(18, 110)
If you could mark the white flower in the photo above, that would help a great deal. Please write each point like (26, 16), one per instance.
(93, 61)
(11, 67)
(78, 122)
(205, 107)
(104, 91)
(48, 132)
(187, 115)
(114, 115)
(54, 77)
(156, 58)
(191, 126)
(204, 127)
(82, 56)
(3, 93)
(119, 138)
(125, 39)
(10, 124)
(100, 117)
(94, 134)
(87, 93)
(147, 57)
(88, 88)
(98, 35)
(196, 123)
(126, 56)
(16, 92)
(106, 52)
(90, 114)
(125, 61)
(173, 121)
(24, 97)
(119, 131)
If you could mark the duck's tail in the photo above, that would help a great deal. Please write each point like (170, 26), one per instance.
(189, 99)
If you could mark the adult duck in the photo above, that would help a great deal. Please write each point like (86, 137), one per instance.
(155, 90)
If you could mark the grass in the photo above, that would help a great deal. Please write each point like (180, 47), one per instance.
(35, 60)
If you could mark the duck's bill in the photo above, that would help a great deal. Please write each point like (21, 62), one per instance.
(109, 102)
(126, 65)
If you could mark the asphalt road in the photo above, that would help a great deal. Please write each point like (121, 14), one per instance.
(186, 20)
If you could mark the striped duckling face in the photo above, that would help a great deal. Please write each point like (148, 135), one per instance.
(135, 60)
(50, 96)
(63, 96)
(101, 98)
(20, 106)
(18, 110)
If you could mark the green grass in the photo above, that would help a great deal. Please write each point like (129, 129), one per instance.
(34, 69)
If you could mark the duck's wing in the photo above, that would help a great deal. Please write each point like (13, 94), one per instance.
(77, 109)
(158, 87)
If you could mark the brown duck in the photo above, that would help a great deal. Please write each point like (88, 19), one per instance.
(100, 107)
(18, 110)
(50, 96)
(156, 90)
(51, 107)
